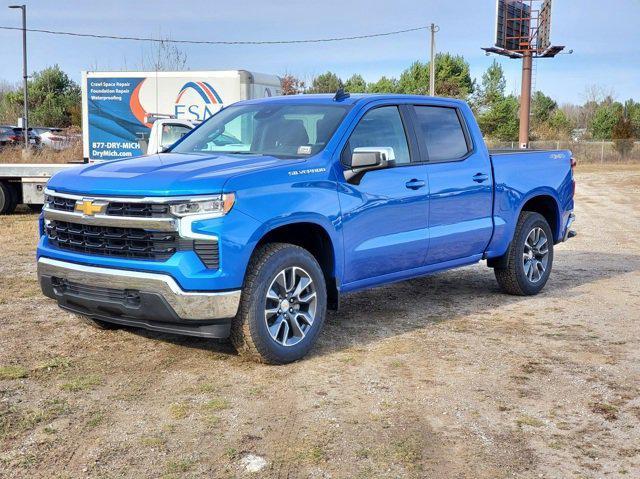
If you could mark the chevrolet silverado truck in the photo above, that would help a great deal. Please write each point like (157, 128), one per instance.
(309, 197)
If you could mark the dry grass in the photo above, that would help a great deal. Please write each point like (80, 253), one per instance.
(45, 155)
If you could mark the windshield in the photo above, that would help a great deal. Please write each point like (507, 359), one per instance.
(280, 130)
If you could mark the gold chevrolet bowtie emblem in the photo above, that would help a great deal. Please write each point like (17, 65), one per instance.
(90, 207)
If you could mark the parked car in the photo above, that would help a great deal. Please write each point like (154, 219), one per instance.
(14, 136)
(321, 195)
(54, 138)
(6, 134)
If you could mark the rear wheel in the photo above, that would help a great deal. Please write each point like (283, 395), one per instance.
(528, 261)
(8, 198)
(283, 306)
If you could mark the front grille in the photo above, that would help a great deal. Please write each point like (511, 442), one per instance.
(111, 241)
(137, 210)
(140, 210)
(62, 204)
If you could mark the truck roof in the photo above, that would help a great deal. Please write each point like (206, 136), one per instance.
(352, 99)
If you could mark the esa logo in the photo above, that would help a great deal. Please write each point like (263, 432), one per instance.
(207, 101)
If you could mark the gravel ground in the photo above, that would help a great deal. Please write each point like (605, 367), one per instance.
(437, 377)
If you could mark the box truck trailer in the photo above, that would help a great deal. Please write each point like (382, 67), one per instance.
(120, 108)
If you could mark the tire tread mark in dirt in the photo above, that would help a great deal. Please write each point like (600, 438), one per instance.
(289, 434)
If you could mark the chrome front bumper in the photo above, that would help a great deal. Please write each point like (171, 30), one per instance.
(186, 305)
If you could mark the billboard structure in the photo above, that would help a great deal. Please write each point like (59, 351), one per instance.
(523, 30)
(512, 24)
(523, 26)
(544, 26)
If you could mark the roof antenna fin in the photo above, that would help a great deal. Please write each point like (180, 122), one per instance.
(340, 95)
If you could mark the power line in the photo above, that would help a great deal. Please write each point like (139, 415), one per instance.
(218, 42)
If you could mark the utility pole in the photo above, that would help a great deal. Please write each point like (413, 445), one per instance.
(525, 99)
(25, 113)
(432, 65)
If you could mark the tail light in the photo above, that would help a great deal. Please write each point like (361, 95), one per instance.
(14, 138)
(573, 176)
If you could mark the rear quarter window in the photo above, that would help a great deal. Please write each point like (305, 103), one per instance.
(440, 131)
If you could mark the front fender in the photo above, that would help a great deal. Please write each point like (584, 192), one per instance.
(330, 227)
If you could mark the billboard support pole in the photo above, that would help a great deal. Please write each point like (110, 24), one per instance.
(525, 99)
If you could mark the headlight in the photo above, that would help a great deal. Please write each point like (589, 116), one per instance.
(218, 205)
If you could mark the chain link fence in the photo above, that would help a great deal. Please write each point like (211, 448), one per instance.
(583, 151)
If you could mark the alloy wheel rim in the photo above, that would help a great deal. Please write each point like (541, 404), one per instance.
(290, 306)
(535, 255)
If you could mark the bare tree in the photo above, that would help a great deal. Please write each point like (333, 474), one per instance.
(165, 56)
(597, 93)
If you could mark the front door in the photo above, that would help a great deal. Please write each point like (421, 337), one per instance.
(384, 214)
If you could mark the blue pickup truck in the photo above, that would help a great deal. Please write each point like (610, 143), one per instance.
(257, 221)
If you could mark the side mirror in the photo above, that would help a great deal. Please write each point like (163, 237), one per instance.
(368, 158)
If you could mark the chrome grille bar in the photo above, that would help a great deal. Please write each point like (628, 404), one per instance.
(156, 224)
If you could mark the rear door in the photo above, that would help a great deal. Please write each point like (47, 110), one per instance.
(460, 183)
(384, 213)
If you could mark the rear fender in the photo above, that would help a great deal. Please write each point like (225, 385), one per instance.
(505, 224)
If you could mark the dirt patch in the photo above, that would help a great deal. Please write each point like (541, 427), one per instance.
(437, 377)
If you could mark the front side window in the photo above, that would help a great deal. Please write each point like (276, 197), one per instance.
(274, 129)
(381, 127)
(440, 131)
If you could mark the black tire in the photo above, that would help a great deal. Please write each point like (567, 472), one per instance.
(99, 324)
(511, 276)
(249, 331)
(8, 198)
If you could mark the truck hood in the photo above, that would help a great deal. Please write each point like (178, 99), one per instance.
(166, 174)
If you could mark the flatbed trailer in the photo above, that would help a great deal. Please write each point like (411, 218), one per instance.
(23, 184)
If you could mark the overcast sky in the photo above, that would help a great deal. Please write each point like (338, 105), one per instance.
(603, 35)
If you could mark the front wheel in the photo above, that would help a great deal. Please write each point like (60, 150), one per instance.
(529, 258)
(283, 305)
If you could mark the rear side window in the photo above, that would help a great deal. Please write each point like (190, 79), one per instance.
(440, 130)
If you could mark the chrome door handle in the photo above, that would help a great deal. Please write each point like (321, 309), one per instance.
(415, 184)
(480, 177)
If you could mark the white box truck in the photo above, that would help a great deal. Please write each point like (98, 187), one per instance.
(120, 108)
(127, 114)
